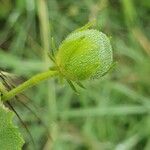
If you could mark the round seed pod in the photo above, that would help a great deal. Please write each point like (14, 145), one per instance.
(85, 54)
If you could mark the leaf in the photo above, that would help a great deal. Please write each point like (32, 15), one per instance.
(10, 137)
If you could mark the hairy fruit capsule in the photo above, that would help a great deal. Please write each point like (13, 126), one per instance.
(84, 54)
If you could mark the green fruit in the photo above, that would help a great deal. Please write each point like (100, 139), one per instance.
(84, 54)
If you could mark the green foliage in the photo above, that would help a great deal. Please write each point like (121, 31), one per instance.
(10, 137)
(113, 112)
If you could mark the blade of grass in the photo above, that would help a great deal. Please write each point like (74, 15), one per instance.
(108, 111)
(45, 37)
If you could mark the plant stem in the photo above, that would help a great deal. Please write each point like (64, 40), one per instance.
(29, 83)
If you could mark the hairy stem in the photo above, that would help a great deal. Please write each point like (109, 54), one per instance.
(29, 83)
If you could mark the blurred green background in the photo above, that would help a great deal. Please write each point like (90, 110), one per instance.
(113, 112)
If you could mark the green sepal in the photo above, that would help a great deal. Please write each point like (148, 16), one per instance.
(51, 54)
(53, 47)
(86, 26)
(73, 87)
(113, 65)
(52, 58)
(80, 85)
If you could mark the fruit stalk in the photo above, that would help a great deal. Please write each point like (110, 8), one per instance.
(27, 84)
